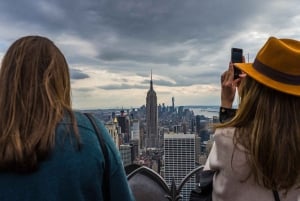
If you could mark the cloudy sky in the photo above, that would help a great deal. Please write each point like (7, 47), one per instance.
(112, 45)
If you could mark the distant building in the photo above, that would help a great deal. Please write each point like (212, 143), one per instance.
(135, 129)
(179, 150)
(197, 149)
(180, 110)
(125, 151)
(134, 150)
(151, 139)
(173, 104)
(202, 159)
(209, 145)
(114, 130)
(202, 124)
(124, 123)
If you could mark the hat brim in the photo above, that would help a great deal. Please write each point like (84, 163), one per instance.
(279, 86)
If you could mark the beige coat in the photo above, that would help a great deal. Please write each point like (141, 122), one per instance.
(228, 183)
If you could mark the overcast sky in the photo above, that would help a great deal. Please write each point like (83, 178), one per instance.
(112, 45)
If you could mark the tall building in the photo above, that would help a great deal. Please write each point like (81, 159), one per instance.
(124, 123)
(151, 139)
(135, 129)
(173, 104)
(135, 137)
(198, 152)
(179, 150)
(126, 154)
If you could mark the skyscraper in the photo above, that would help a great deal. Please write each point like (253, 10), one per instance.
(151, 139)
(173, 104)
(179, 152)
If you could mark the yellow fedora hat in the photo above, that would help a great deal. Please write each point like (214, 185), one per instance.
(277, 65)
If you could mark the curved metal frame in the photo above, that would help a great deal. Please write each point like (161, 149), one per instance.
(154, 175)
(173, 191)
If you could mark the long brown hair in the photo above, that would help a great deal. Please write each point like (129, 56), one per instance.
(34, 97)
(268, 126)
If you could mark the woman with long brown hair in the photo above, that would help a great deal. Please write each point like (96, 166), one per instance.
(48, 151)
(256, 153)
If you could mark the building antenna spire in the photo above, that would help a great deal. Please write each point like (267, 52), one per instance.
(151, 83)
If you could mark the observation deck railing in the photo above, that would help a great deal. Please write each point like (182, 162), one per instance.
(148, 185)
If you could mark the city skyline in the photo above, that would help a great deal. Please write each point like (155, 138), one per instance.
(112, 46)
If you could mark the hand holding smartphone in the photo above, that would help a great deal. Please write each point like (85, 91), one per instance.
(236, 57)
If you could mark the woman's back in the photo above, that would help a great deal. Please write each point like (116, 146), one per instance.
(257, 152)
(69, 173)
(230, 182)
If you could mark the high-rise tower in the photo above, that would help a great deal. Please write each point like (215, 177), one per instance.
(151, 139)
(173, 104)
(179, 150)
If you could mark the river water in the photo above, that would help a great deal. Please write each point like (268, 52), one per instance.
(209, 112)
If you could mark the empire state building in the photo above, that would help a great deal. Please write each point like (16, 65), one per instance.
(151, 139)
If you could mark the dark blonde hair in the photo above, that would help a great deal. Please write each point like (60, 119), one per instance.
(34, 97)
(268, 126)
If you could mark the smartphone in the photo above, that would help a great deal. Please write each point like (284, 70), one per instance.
(236, 57)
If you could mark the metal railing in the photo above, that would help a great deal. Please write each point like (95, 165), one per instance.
(148, 185)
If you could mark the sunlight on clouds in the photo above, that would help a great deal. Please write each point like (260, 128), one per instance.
(193, 90)
(188, 95)
(254, 35)
(97, 78)
(132, 98)
(104, 77)
(161, 77)
(100, 78)
(87, 94)
(99, 98)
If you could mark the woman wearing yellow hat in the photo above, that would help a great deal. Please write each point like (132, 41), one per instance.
(256, 153)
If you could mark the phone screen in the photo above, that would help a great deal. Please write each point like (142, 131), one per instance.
(236, 57)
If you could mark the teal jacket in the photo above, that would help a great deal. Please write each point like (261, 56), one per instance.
(70, 174)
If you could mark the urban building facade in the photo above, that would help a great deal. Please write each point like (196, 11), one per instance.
(125, 151)
(114, 130)
(179, 160)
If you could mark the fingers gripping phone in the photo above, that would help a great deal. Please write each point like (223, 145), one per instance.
(236, 57)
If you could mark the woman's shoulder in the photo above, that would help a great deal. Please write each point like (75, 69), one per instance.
(84, 122)
(85, 125)
(224, 133)
(81, 118)
(224, 140)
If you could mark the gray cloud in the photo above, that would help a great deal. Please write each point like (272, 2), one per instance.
(143, 74)
(159, 83)
(187, 41)
(144, 55)
(83, 90)
(186, 80)
(122, 87)
(77, 74)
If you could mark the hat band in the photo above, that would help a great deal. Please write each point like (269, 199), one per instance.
(276, 75)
